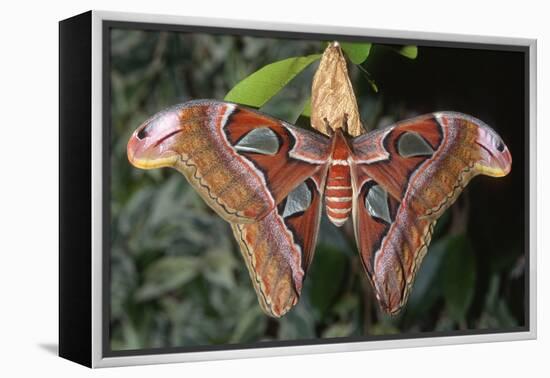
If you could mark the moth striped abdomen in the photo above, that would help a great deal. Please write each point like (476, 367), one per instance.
(338, 190)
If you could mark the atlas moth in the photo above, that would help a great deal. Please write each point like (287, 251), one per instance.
(270, 179)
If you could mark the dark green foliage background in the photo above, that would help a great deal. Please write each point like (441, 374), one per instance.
(177, 277)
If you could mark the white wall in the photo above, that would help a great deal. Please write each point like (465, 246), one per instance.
(28, 211)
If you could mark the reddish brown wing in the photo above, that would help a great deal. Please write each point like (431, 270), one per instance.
(405, 177)
(392, 241)
(283, 153)
(278, 249)
(263, 175)
(243, 163)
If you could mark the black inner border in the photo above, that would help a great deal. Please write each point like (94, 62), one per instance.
(108, 25)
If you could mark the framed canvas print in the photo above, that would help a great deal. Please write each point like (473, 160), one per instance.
(233, 189)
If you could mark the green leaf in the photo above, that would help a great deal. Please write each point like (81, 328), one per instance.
(409, 51)
(369, 78)
(383, 328)
(459, 272)
(131, 335)
(445, 324)
(298, 323)
(166, 274)
(426, 288)
(496, 313)
(356, 52)
(307, 108)
(328, 262)
(347, 305)
(256, 89)
(250, 326)
(338, 330)
(219, 266)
